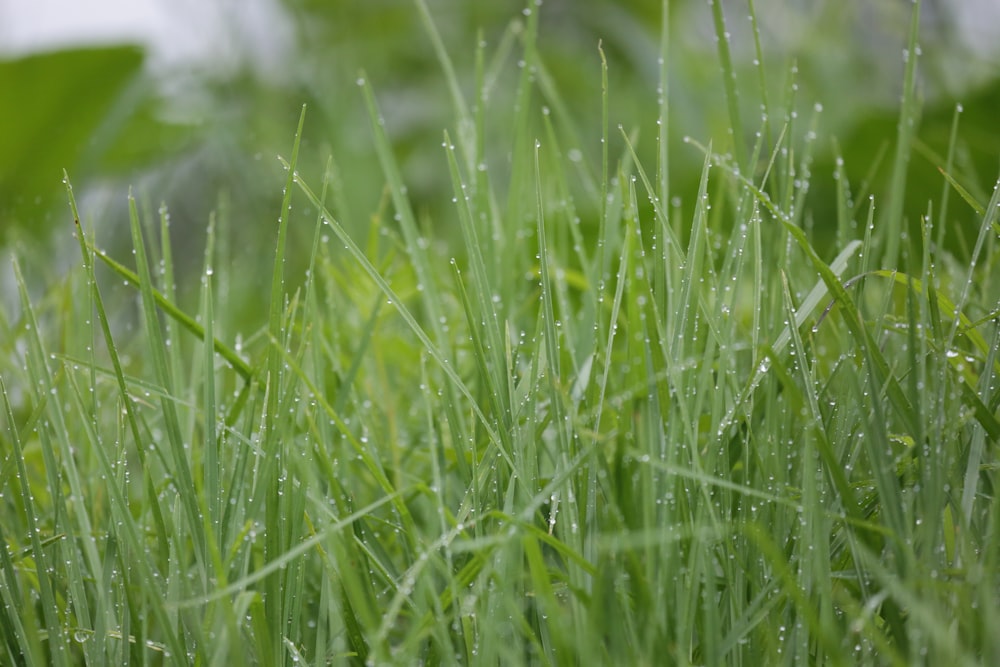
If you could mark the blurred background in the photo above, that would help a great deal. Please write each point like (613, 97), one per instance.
(188, 103)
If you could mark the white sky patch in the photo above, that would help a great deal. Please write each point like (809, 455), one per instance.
(978, 21)
(178, 33)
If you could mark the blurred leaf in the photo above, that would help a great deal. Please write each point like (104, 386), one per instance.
(141, 137)
(58, 111)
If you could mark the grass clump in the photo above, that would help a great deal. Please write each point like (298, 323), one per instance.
(682, 432)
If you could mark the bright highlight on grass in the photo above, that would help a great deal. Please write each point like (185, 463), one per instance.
(690, 431)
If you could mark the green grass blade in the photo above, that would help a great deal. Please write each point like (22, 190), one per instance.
(274, 484)
(210, 463)
(58, 642)
(175, 313)
(181, 473)
(892, 224)
(397, 302)
(722, 41)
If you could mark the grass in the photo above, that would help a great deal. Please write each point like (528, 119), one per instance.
(682, 433)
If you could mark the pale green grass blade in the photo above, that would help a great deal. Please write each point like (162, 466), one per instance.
(166, 281)
(548, 318)
(985, 387)
(181, 473)
(964, 327)
(722, 41)
(792, 588)
(175, 313)
(427, 284)
(989, 219)
(963, 193)
(922, 614)
(482, 316)
(946, 169)
(71, 514)
(57, 456)
(846, 206)
(374, 466)
(663, 104)
(682, 332)
(466, 126)
(879, 379)
(616, 308)
(274, 483)
(765, 105)
(892, 224)
(815, 528)
(284, 559)
(603, 239)
(22, 650)
(521, 178)
(570, 243)
(211, 470)
(415, 243)
(130, 530)
(125, 522)
(57, 641)
(502, 402)
(879, 365)
(404, 312)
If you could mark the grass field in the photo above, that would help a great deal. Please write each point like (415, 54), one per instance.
(595, 421)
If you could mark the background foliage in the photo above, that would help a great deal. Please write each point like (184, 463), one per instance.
(188, 136)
